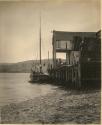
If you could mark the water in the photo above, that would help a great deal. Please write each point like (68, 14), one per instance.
(14, 88)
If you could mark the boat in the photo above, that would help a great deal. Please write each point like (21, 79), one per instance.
(38, 76)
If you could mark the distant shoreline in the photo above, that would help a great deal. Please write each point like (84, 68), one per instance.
(22, 67)
(14, 72)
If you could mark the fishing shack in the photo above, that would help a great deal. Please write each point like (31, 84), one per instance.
(82, 64)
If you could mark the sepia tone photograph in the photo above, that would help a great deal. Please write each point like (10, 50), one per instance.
(50, 62)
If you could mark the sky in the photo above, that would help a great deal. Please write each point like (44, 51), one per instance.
(19, 25)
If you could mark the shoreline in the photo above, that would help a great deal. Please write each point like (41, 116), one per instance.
(58, 107)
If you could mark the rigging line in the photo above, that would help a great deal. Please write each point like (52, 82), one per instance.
(36, 58)
(43, 44)
(33, 62)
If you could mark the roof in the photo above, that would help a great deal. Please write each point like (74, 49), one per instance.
(62, 35)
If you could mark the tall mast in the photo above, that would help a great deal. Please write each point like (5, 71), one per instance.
(40, 41)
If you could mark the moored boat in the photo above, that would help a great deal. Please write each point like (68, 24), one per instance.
(38, 76)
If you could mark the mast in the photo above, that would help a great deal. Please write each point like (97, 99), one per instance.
(40, 43)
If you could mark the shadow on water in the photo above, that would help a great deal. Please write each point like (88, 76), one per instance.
(67, 87)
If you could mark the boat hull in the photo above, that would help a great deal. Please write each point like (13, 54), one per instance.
(39, 78)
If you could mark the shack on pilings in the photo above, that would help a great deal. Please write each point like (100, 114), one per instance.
(82, 66)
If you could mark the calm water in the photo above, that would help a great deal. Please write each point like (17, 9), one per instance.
(14, 88)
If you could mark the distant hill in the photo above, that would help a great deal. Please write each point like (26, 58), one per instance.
(22, 67)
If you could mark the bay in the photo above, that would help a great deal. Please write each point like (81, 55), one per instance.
(15, 87)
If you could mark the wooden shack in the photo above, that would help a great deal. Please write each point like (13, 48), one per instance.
(82, 66)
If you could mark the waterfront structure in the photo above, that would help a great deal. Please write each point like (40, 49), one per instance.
(82, 66)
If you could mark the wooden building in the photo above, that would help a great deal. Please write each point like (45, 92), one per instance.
(82, 58)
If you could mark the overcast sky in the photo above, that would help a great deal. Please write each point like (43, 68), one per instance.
(19, 25)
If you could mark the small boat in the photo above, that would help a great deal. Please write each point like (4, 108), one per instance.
(38, 76)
